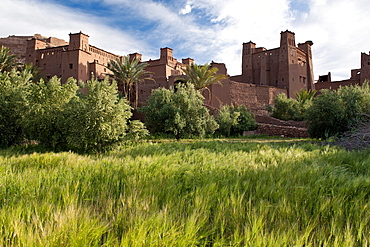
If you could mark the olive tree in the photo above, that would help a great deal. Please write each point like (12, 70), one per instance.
(97, 121)
(13, 89)
(180, 112)
(335, 111)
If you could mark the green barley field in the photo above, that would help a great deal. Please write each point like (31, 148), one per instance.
(234, 192)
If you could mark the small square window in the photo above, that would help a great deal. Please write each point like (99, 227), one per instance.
(71, 66)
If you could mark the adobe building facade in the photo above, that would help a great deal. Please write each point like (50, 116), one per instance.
(18, 44)
(358, 76)
(288, 66)
(76, 58)
(265, 73)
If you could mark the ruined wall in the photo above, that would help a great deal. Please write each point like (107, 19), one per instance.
(285, 131)
(253, 96)
(335, 84)
(17, 46)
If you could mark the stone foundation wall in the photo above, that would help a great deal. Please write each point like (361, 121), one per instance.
(285, 131)
(253, 96)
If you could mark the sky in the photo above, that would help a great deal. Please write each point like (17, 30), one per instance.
(205, 30)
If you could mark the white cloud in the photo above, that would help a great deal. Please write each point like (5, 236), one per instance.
(207, 29)
(186, 10)
(24, 17)
(242, 21)
(339, 30)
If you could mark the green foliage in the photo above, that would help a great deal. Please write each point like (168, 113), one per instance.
(304, 96)
(233, 120)
(43, 114)
(291, 109)
(54, 115)
(7, 61)
(226, 119)
(286, 108)
(181, 113)
(246, 120)
(13, 89)
(128, 74)
(14, 85)
(201, 76)
(334, 112)
(136, 130)
(31, 69)
(356, 100)
(97, 121)
(193, 193)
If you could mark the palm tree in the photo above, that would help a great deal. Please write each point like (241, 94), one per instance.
(201, 76)
(7, 61)
(304, 95)
(128, 74)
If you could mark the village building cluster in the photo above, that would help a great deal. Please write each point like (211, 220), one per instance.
(265, 73)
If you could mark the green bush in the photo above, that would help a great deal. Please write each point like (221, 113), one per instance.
(13, 88)
(246, 120)
(59, 117)
(179, 112)
(286, 108)
(136, 130)
(97, 121)
(291, 109)
(233, 120)
(226, 119)
(43, 115)
(334, 112)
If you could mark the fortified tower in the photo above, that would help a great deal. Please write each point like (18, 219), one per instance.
(75, 60)
(78, 41)
(247, 61)
(288, 73)
(288, 66)
(135, 56)
(365, 67)
(166, 54)
(306, 47)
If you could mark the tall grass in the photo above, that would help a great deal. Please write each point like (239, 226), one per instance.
(196, 193)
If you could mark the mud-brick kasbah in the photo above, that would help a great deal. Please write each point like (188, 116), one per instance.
(264, 74)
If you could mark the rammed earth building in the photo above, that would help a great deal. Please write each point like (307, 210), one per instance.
(265, 73)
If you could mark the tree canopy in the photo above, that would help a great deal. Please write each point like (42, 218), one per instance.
(7, 61)
(179, 112)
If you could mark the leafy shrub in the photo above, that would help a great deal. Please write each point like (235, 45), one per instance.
(233, 120)
(97, 121)
(136, 130)
(291, 109)
(246, 120)
(181, 113)
(59, 117)
(226, 119)
(13, 87)
(334, 112)
(43, 114)
(286, 108)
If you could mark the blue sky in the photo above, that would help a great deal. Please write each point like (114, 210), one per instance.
(204, 30)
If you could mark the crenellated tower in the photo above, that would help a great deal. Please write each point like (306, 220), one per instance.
(288, 73)
(247, 61)
(79, 41)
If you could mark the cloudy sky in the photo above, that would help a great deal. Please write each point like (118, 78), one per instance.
(204, 30)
